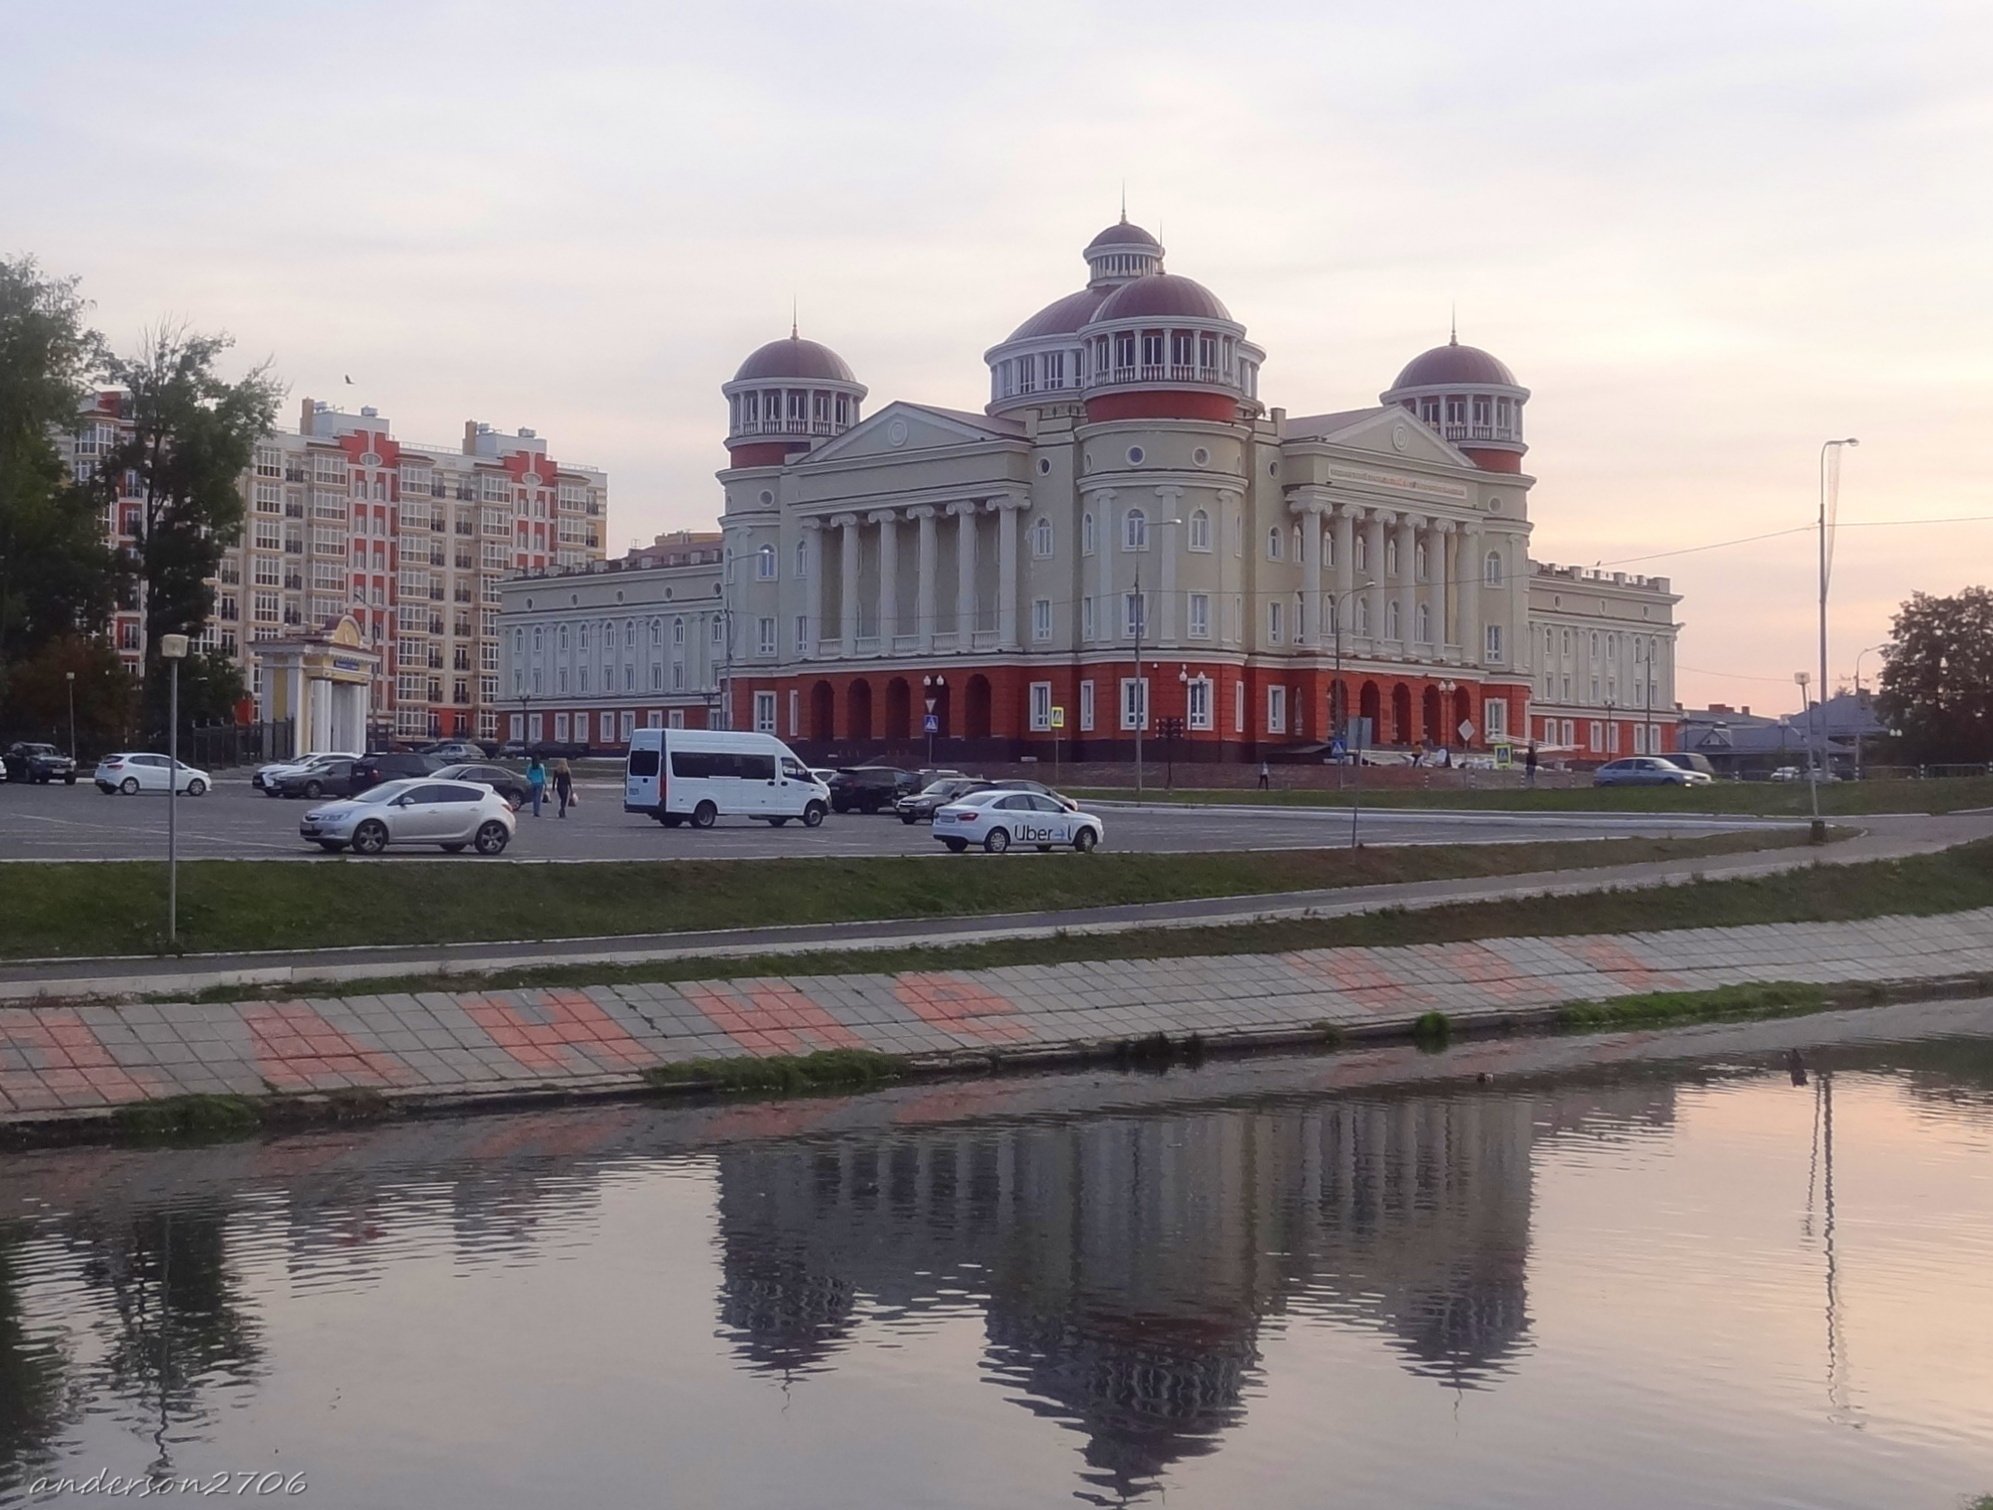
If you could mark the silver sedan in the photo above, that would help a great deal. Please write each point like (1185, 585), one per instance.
(415, 810)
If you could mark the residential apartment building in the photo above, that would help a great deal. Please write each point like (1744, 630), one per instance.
(411, 539)
(1605, 662)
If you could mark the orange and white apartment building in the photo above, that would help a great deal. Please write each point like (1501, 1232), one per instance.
(1126, 533)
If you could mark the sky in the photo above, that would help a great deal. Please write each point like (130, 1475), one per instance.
(1706, 236)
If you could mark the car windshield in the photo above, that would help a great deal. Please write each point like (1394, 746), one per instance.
(978, 799)
(387, 791)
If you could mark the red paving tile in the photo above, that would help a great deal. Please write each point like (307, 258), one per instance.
(1621, 963)
(569, 1035)
(319, 1057)
(1360, 975)
(770, 1019)
(1481, 966)
(955, 1003)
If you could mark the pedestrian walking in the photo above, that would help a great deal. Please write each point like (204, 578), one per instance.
(1265, 775)
(536, 781)
(563, 785)
(1529, 766)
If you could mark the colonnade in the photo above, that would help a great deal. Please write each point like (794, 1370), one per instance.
(1449, 589)
(927, 635)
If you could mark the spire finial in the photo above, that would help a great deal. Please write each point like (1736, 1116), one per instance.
(1124, 201)
(1452, 324)
(794, 305)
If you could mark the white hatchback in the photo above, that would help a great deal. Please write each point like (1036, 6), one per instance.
(414, 810)
(997, 819)
(133, 773)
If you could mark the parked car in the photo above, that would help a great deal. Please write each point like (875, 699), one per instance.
(924, 804)
(38, 764)
(454, 750)
(372, 770)
(508, 784)
(1689, 760)
(266, 777)
(870, 788)
(1019, 784)
(997, 819)
(325, 778)
(1788, 773)
(416, 810)
(699, 776)
(1646, 770)
(135, 772)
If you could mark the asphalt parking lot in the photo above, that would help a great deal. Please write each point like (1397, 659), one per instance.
(235, 821)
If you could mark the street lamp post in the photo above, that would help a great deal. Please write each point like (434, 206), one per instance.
(70, 678)
(1141, 626)
(931, 689)
(173, 650)
(1446, 690)
(1820, 768)
(1339, 713)
(1861, 708)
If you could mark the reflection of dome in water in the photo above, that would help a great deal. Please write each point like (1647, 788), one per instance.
(1145, 1391)
(781, 1314)
(1467, 1333)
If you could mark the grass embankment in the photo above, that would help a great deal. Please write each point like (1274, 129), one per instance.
(68, 910)
(1923, 885)
(1743, 798)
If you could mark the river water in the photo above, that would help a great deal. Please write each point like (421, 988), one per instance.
(1642, 1271)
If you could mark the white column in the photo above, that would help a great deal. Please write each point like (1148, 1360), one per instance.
(1309, 509)
(1408, 580)
(1345, 524)
(318, 694)
(1438, 533)
(1379, 521)
(924, 563)
(889, 575)
(1471, 567)
(1165, 536)
(813, 587)
(847, 564)
(965, 574)
(295, 709)
(1009, 512)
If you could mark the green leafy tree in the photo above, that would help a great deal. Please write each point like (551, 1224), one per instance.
(1937, 682)
(39, 691)
(57, 576)
(192, 436)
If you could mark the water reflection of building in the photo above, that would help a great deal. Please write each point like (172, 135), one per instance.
(1126, 1264)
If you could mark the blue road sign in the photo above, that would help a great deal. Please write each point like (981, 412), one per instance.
(930, 724)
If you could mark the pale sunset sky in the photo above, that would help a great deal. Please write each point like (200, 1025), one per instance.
(1706, 236)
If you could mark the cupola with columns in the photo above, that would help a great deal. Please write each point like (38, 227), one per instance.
(1136, 343)
(1469, 397)
(788, 396)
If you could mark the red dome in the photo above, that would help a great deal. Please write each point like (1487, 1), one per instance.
(794, 357)
(1123, 234)
(1062, 317)
(1161, 295)
(1447, 365)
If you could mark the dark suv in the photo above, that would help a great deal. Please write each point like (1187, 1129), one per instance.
(870, 788)
(39, 763)
(372, 770)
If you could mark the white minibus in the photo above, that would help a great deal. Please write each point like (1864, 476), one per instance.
(698, 776)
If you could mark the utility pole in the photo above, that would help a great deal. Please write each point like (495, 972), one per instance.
(1819, 832)
(173, 650)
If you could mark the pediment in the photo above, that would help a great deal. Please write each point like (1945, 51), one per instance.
(1391, 432)
(902, 429)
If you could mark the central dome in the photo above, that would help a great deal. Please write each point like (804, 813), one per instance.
(1062, 316)
(1454, 363)
(794, 357)
(1161, 295)
(1123, 234)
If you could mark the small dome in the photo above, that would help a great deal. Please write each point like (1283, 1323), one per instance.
(1061, 317)
(795, 357)
(1454, 363)
(1123, 234)
(1161, 295)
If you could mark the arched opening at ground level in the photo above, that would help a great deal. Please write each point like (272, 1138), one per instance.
(858, 709)
(823, 703)
(1401, 714)
(976, 722)
(899, 709)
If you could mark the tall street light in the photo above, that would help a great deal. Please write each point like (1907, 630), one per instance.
(1821, 767)
(70, 677)
(1861, 708)
(1339, 705)
(1141, 624)
(173, 650)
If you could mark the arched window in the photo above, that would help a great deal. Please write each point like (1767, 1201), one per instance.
(802, 559)
(630, 635)
(1135, 531)
(656, 633)
(1041, 538)
(1363, 616)
(1362, 553)
(1419, 560)
(678, 633)
(1491, 569)
(1200, 530)
(1298, 538)
(1328, 548)
(381, 489)
(560, 637)
(1273, 544)
(1086, 534)
(1424, 621)
(1392, 620)
(764, 564)
(1391, 556)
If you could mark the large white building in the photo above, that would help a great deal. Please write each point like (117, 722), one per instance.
(410, 540)
(1125, 534)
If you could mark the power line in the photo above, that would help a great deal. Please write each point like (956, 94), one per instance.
(1797, 529)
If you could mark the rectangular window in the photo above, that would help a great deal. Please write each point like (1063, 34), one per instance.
(1239, 707)
(764, 712)
(1273, 622)
(1200, 616)
(560, 727)
(1495, 719)
(1197, 703)
(1276, 710)
(1087, 627)
(1134, 615)
(1134, 702)
(802, 634)
(1086, 707)
(675, 719)
(627, 722)
(1492, 644)
(1041, 705)
(1041, 618)
(765, 636)
(795, 714)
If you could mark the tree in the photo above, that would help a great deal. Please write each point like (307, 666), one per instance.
(57, 576)
(39, 692)
(192, 436)
(1937, 680)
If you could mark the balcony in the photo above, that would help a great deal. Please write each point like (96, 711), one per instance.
(1507, 433)
(906, 644)
(778, 427)
(868, 644)
(983, 639)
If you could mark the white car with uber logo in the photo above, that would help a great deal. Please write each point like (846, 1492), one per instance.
(997, 819)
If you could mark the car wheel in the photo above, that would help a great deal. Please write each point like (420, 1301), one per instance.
(813, 814)
(129, 786)
(314, 790)
(1044, 849)
(197, 788)
(907, 819)
(454, 849)
(69, 780)
(997, 840)
(704, 815)
(270, 791)
(492, 838)
(669, 820)
(370, 838)
(777, 822)
(330, 846)
(1085, 840)
(956, 846)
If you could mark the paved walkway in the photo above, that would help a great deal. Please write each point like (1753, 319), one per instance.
(1891, 837)
(80, 1061)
